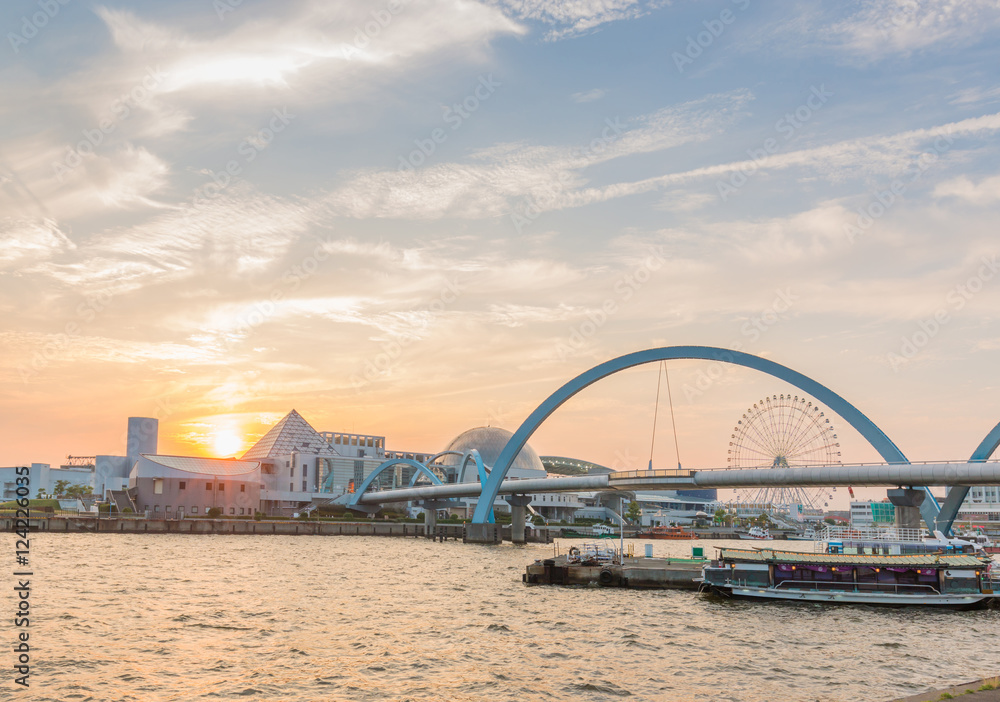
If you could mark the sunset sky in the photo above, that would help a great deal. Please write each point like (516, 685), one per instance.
(410, 218)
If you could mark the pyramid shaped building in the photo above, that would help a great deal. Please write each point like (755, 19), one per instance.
(291, 434)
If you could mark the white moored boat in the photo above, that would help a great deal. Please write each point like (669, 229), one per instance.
(757, 534)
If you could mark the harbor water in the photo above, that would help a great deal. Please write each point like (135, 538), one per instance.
(153, 618)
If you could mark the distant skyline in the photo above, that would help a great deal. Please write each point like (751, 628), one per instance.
(409, 218)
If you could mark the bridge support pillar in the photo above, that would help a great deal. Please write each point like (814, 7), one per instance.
(431, 508)
(482, 533)
(518, 513)
(907, 502)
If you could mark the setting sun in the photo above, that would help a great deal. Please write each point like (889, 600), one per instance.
(226, 443)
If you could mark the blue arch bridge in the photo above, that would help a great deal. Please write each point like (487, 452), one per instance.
(913, 479)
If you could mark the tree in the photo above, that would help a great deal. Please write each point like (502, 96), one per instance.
(214, 512)
(721, 515)
(634, 512)
(77, 490)
(60, 487)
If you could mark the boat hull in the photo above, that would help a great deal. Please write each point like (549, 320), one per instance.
(881, 599)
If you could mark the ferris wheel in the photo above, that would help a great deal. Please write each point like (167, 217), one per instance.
(783, 431)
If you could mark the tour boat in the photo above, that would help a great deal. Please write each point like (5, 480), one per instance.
(667, 532)
(960, 581)
(757, 534)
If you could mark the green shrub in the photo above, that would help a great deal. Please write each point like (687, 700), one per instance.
(214, 512)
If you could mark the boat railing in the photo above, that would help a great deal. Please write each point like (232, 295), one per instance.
(868, 535)
(850, 586)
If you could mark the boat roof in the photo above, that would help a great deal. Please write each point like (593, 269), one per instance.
(915, 559)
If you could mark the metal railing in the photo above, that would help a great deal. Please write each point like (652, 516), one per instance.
(666, 473)
(830, 585)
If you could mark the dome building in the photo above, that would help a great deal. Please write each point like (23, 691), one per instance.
(489, 442)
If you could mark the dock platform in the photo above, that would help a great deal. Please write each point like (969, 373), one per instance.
(654, 573)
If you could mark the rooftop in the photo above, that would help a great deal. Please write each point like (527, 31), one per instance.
(764, 555)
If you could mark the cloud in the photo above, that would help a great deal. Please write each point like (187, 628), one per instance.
(886, 27)
(588, 96)
(495, 178)
(25, 241)
(570, 18)
(984, 192)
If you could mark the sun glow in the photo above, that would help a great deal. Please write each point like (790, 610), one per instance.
(226, 443)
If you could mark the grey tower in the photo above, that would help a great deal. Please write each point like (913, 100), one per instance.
(142, 432)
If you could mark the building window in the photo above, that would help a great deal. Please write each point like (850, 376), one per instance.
(305, 471)
(168, 509)
(156, 508)
(243, 488)
(145, 508)
(181, 485)
(157, 486)
(291, 487)
(292, 474)
(222, 487)
(241, 511)
(232, 510)
(208, 486)
(194, 510)
(304, 487)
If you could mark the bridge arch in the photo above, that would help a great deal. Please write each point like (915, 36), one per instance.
(875, 436)
(367, 482)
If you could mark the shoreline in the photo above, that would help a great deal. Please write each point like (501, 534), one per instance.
(967, 692)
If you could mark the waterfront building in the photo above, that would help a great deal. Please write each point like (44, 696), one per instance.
(981, 506)
(665, 507)
(39, 475)
(174, 486)
(300, 465)
(867, 513)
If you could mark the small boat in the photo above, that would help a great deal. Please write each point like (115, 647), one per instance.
(958, 581)
(757, 534)
(808, 535)
(982, 541)
(667, 532)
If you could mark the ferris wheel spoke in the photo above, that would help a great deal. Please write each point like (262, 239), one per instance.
(812, 431)
(763, 448)
(802, 418)
(806, 429)
(764, 438)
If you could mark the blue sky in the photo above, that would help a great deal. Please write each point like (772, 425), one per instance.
(395, 252)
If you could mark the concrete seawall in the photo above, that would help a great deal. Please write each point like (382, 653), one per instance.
(188, 525)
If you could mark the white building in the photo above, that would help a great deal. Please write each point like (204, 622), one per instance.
(13, 477)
